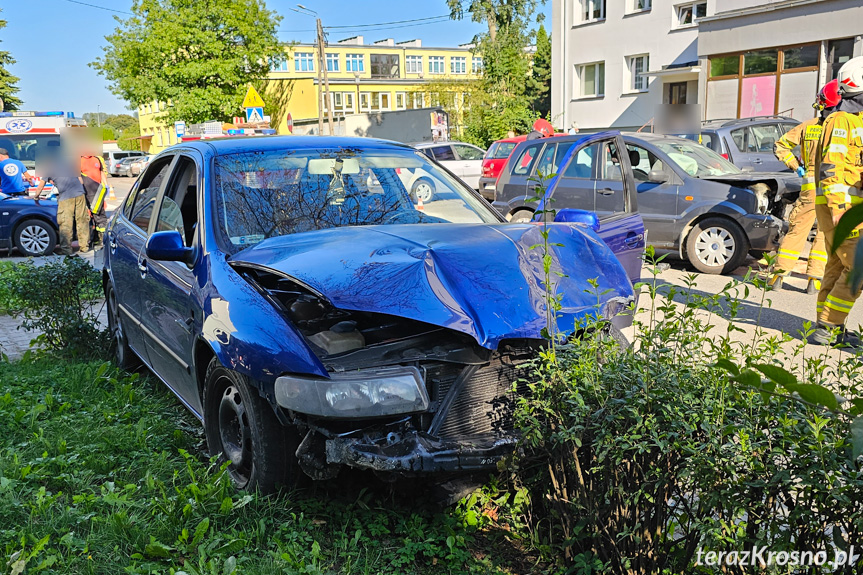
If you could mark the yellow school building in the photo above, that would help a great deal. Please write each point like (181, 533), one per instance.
(380, 76)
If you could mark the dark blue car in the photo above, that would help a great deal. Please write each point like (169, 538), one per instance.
(28, 225)
(299, 303)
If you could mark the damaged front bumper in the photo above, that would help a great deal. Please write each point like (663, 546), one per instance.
(415, 453)
(764, 231)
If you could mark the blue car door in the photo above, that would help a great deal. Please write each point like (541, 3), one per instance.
(169, 287)
(126, 239)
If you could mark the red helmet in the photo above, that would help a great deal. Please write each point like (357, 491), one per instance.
(544, 127)
(828, 96)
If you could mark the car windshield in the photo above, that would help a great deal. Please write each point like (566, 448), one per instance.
(500, 150)
(697, 160)
(276, 193)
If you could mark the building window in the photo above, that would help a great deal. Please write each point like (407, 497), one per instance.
(304, 62)
(365, 99)
(677, 93)
(724, 66)
(332, 62)
(592, 10)
(401, 100)
(838, 52)
(801, 57)
(458, 65)
(591, 78)
(689, 13)
(343, 103)
(637, 66)
(476, 65)
(279, 64)
(384, 65)
(416, 100)
(355, 63)
(760, 62)
(385, 100)
(161, 141)
(436, 65)
(414, 64)
(633, 6)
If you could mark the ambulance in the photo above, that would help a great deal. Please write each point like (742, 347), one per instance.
(26, 135)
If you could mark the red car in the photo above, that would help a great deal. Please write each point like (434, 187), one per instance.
(494, 161)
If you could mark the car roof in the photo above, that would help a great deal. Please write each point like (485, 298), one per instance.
(726, 122)
(651, 137)
(239, 144)
(419, 145)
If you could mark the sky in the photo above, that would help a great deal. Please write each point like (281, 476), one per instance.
(54, 40)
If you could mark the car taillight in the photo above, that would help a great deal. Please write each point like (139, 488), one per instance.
(724, 156)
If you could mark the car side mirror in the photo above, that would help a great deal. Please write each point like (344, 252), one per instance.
(168, 246)
(574, 216)
(657, 177)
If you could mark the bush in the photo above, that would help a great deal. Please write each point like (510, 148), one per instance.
(637, 459)
(61, 299)
(8, 303)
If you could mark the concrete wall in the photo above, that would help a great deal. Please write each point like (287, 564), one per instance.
(612, 40)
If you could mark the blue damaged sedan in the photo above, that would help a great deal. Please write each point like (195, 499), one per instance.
(299, 302)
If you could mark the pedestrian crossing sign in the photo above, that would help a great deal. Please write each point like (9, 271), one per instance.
(254, 115)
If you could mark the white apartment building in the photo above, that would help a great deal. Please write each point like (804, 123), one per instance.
(614, 62)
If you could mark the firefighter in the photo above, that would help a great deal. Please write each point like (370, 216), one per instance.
(805, 135)
(94, 175)
(839, 167)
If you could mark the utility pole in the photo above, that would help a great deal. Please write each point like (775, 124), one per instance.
(323, 61)
(320, 94)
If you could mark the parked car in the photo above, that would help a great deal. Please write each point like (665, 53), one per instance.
(138, 164)
(602, 183)
(28, 225)
(124, 166)
(692, 200)
(311, 315)
(463, 160)
(494, 161)
(112, 157)
(746, 142)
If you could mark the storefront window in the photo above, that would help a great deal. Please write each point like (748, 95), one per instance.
(800, 57)
(759, 62)
(724, 66)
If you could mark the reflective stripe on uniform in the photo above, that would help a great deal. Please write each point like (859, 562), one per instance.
(788, 157)
(807, 187)
(821, 256)
(842, 305)
(819, 306)
(790, 254)
(857, 133)
(837, 149)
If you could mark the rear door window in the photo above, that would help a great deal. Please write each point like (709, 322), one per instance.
(545, 167)
(442, 153)
(762, 137)
(581, 166)
(524, 163)
(739, 138)
(466, 152)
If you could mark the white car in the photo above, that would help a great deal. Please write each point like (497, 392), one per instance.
(463, 160)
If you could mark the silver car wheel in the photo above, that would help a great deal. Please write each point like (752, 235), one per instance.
(714, 246)
(423, 191)
(35, 239)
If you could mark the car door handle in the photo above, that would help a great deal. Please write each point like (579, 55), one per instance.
(633, 241)
(186, 325)
(757, 161)
(142, 267)
(605, 192)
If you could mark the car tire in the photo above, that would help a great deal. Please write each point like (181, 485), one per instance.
(716, 245)
(124, 357)
(423, 189)
(241, 427)
(35, 238)
(521, 216)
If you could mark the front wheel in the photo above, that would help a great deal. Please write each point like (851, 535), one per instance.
(35, 238)
(521, 216)
(716, 246)
(242, 429)
(423, 189)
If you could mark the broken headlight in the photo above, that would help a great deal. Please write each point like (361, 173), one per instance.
(376, 392)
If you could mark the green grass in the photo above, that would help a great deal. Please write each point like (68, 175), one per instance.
(104, 472)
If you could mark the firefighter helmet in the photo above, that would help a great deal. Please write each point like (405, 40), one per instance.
(828, 96)
(851, 77)
(544, 127)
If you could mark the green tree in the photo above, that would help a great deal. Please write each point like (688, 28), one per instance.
(501, 103)
(126, 141)
(197, 55)
(121, 122)
(8, 87)
(539, 85)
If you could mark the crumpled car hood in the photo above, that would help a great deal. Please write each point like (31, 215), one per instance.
(485, 280)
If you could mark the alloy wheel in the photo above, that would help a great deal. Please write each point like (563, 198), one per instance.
(35, 239)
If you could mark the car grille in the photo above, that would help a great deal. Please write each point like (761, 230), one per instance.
(485, 405)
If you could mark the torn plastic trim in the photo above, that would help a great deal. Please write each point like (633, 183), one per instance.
(415, 453)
